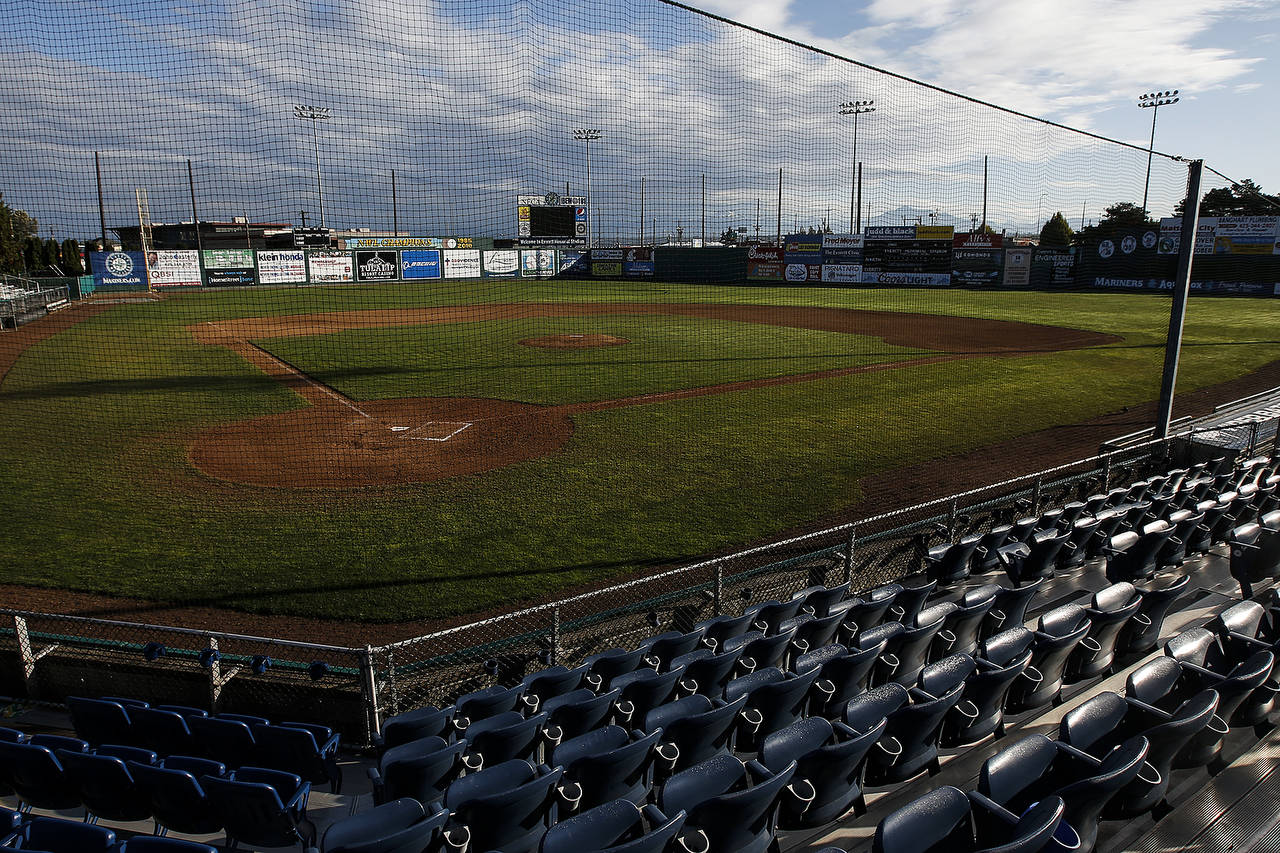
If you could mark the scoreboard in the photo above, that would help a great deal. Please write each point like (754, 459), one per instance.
(551, 219)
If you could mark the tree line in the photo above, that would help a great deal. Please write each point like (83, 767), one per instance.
(23, 253)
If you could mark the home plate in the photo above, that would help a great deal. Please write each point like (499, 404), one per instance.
(434, 430)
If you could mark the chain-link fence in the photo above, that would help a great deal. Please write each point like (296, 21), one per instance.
(46, 657)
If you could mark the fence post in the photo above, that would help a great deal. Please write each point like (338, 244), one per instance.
(1035, 496)
(1106, 474)
(953, 520)
(1275, 442)
(555, 635)
(1253, 438)
(24, 649)
(215, 678)
(718, 590)
(848, 562)
(369, 679)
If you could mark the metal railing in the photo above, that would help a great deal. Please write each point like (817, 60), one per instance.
(48, 657)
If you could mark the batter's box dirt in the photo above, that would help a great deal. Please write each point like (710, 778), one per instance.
(434, 430)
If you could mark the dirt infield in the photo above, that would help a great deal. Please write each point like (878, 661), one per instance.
(337, 442)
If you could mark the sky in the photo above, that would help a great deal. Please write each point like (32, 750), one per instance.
(1080, 62)
(473, 102)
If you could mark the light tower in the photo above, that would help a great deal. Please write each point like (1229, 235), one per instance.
(1154, 101)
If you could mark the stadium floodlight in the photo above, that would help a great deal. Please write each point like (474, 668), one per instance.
(315, 114)
(855, 109)
(588, 135)
(1154, 101)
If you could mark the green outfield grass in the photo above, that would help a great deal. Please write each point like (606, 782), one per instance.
(98, 495)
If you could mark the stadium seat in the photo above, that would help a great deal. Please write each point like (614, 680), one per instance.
(551, 682)
(912, 646)
(51, 835)
(1059, 632)
(868, 609)
(419, 723)
(421, 769)
(660, 650)
(166, 732)
(617, 827)
(734, 804)
(938, 821)
(706, 672)
(1001, 660)
(961, 626)
(1244, 696)
(1079, 536)
(36, 777)
(694, 729)
(1109, 610)
(1038, 828)
(505, 807)
(1141, 634)
(811, 632)
(304, 749)
(916, 724)
(228, 741)
(760, 650)
(260, 807)
(611, 664)
(871, 710)
(829, 759)
(1160, 686)
(1042, 559)
(909, 602)
(774, 700)
(399, 826)
(818, 601)
(842, 674)
(100, 721)
(951, 563)
(992, 541)
(767, 616)
(717, 630)
(504, 737)
(482, 704)
(643, 690)
(1245, 628)
(608, 764)
(105, 785)
(1255, 554)
(1010, 608)
(578, 711)
(177, 796)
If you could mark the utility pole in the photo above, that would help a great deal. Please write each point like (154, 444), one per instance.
(779, 206)
(1181, 288)
(855, 109)
(191, 185)
(102, 211)
(704, 210)
(303, 214)
(395, 213)
(642, 211)
(316, 115)
(984, 193)
(1153, 101)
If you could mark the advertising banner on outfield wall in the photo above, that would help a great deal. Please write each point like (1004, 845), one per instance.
(842, 273)
(1017, 267)
(800, 273)
(537, 263)
(119, 269)
(330, 267)
(802, 248)
(573, 262)
(282, 267)
(764, 263)
(606, 262)
(1225, 235)
(229, 268)
(418, 264)
(174, 268)
(638, 261)
(462, 263)
(501, 263)
(409, 243)
(377, 266)
(1053, 269)
(842, 249)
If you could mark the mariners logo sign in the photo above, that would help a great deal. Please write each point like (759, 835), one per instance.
(119, 264)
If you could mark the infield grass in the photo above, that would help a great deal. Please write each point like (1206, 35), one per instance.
(98, 495)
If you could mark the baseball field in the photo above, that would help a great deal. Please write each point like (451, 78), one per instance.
(419, 452)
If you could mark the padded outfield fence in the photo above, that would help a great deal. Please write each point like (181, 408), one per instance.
(46, 657)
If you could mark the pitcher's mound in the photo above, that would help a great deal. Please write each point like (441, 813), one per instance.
(574, 341)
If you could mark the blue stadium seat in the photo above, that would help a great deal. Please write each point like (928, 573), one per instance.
(694, 729)
(503, 737)
(829, 760)
(422, 769)
(1109, 611)
(617, 827)
(399, 826)
(261, 807)
(51, 835)
(505, 807)
(177, 797)
(578, 711)
(36, 776)
(304, 749)
(734, 804)
(106, 787)
(227, 741)
(1244, 695)
(706, 672)
(427, 721)
(608, 764)
(100, 721)
(157, 844)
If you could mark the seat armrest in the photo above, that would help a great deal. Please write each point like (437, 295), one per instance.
(993, 808)
(299, 799)
(1077, 754)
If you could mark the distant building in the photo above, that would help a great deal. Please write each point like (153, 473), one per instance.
(213, 235)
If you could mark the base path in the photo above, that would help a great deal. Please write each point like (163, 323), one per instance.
(336, 442)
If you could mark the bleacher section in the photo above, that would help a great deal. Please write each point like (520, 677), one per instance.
(1065, 681)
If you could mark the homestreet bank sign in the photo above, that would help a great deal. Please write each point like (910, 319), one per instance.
(409, 243)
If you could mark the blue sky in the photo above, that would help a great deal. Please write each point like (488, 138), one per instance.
(472, 102)
(1082, 62)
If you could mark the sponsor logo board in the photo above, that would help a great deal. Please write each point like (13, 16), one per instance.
(419, 264)
(462, 263)
(377, 266)
(174, 268)
(330, 267)
(282, 267)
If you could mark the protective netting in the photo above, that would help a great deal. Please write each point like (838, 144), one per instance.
(476, 417)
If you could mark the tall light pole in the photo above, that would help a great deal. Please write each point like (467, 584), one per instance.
(855, 109)
(1154, 101)
(315, 114)
(588, 135)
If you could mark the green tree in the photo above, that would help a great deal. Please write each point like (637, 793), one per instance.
(729, 237)
(1123, 216)
(71, 258)
(1056, 232)
(32, 254)
(1243, 199)
(51, 255)
(16, 228)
